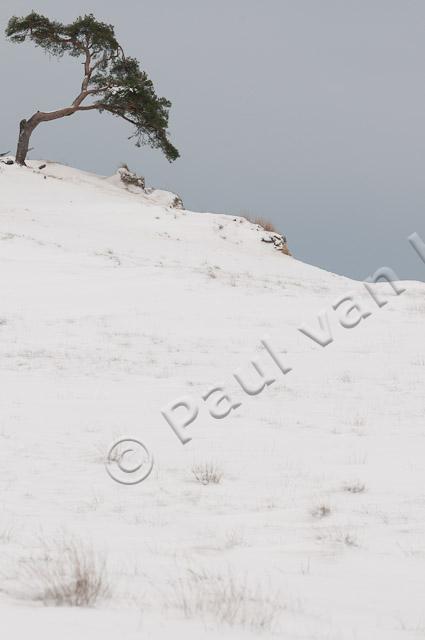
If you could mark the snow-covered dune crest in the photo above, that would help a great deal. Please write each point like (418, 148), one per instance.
(114, 306)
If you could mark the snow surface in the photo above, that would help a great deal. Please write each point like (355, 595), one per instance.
(111, 308)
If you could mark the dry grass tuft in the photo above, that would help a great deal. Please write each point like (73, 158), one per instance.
(207, 473)
(224, 599)
(68, 573)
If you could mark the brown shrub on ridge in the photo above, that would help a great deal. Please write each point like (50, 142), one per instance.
(262, 222)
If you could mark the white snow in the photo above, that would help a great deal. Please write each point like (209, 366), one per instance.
(113, 306)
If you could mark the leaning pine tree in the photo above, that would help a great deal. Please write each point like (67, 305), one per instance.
(112, 82)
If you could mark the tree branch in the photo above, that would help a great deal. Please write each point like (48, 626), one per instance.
(87, 72)
(97, 64)
(84, 94)
(117, 113)
(90, 107)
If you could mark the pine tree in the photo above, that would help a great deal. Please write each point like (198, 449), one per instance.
(112, 82)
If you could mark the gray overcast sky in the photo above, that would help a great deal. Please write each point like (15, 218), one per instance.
(309, 113)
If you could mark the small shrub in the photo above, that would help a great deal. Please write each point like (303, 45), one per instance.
(359, 421)
(345, 377)
(6, 535)
(341, 537)
(234, 539)
(68, 574)
(207, 473)
(321, 511)
(355, 487)
(350, 540)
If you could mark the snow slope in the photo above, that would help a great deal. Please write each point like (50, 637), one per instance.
(111, 308)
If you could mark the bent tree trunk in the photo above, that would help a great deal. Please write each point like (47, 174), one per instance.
(26, 128)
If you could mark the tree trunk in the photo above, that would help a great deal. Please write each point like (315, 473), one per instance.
(26, 128)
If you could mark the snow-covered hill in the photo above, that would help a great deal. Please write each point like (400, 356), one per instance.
(112, 308)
